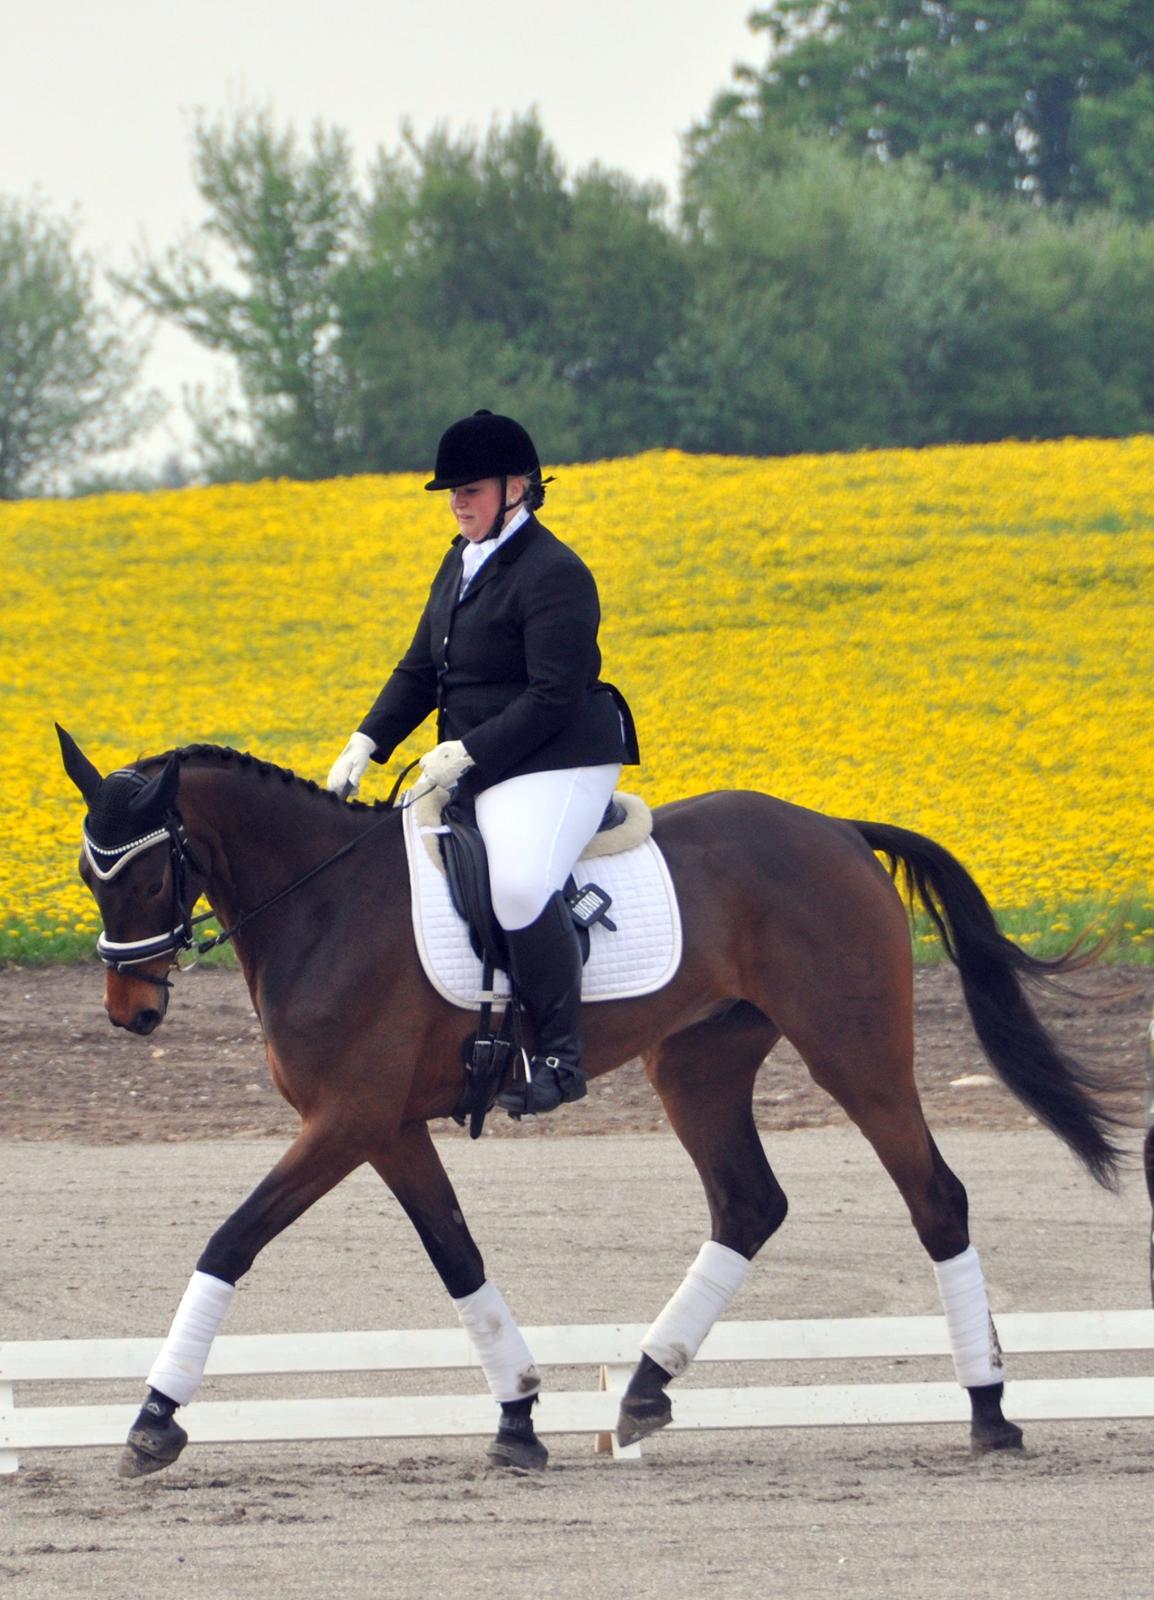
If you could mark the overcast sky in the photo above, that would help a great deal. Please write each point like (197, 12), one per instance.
(97, 97)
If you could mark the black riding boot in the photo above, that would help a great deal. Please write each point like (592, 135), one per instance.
(545, 965)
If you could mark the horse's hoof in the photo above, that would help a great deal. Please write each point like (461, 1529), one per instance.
(149, 1449)
(515, 1453)
(641, 1416)
(1000, 1435)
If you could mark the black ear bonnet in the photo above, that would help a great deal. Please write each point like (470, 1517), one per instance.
(125, 806)
(116, 816)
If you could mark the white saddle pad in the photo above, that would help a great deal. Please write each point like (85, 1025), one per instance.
(641, 956)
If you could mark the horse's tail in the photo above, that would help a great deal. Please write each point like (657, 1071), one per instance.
(1061, 1092)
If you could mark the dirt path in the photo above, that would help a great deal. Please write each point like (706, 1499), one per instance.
(65, 1074)
(104, 1207)
(99, 1240)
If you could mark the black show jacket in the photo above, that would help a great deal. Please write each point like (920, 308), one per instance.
(512, 668)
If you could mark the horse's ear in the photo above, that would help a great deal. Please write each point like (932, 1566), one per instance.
(159, 793)
(77, 765)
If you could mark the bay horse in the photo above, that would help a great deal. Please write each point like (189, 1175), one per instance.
(792, 927)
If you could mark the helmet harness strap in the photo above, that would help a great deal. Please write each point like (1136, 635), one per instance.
(504, 509)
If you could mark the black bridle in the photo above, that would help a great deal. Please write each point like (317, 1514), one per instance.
(122, 956)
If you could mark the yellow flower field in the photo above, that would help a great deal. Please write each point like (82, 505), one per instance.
(953, 639)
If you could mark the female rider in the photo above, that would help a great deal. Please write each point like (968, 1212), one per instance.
(506, 653)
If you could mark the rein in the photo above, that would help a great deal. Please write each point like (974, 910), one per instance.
(182, 937)
(203, 945)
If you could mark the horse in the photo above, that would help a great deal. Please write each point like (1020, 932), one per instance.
(793, 926)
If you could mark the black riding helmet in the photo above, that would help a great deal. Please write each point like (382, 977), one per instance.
(487, 445)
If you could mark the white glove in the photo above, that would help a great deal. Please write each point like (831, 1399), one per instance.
(349, 768)
(447, 762)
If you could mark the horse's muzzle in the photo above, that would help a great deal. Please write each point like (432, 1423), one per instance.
(134, 1003)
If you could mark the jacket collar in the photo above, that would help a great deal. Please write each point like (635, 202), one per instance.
(508, 552)
(518, 539)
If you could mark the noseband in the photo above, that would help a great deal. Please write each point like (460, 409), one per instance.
(106, 861)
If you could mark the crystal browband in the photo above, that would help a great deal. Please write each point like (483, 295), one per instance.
(122, 854)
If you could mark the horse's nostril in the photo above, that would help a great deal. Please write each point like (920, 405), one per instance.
(145, 1021)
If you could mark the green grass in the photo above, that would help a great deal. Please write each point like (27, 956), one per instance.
(1039, 929)
(1128, 931)
(34, 947)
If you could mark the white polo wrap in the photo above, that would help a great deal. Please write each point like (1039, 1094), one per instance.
(498, 1341)
(973, 1338)
(709, 1286)
(179, 1367)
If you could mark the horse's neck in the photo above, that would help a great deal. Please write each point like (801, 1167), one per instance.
(262, 833)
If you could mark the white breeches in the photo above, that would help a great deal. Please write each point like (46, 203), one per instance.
(535, 828)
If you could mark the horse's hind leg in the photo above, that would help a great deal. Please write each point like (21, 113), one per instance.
(313, 1164)
(872, 1078)
(704, 1077)
(411, 1167)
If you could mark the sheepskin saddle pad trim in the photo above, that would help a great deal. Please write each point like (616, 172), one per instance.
(627, 835)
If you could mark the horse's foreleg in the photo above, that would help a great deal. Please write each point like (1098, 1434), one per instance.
(316, 1161)
(704, 1077)
(412, 1169)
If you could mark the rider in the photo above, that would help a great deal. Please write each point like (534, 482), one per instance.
(506, 653)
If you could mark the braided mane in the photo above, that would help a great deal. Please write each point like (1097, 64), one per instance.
(222, 755)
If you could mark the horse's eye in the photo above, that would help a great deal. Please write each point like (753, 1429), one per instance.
(154, 889)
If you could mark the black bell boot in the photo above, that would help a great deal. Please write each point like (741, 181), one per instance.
(545, 965)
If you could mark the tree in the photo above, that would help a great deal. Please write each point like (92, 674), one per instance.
(824, 291)
(67, 371)
(474, 273)
(282, 216)
(839, 303)
(621, 282)
(485, 276)
(1055, 331)
(445, 288)
(1051, 99)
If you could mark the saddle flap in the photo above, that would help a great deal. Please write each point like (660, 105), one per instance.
(467, 873)
(641, 956)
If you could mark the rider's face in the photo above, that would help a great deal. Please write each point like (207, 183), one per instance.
(475, 505)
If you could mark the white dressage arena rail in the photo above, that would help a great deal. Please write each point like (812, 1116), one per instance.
(611, 1350)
